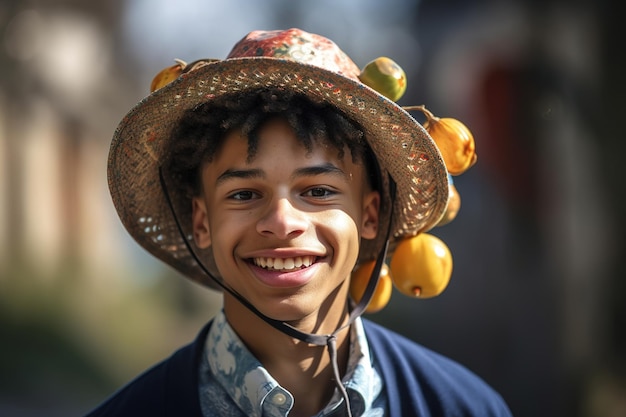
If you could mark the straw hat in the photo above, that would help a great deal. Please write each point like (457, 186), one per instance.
(292, 60)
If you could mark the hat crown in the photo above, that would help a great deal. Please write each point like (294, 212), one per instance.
(296, 45)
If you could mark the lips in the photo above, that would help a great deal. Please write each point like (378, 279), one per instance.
(284, 264)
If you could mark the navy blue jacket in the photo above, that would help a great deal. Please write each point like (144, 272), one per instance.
(419, 382)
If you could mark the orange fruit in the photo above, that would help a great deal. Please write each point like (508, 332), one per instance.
(454, 205)
(455, 141)
(453, 138)
(167, 75)
(382, 293)
(421, 266)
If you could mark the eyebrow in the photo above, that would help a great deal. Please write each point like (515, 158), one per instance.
(322, 169)
(310, 171)
(240, 174)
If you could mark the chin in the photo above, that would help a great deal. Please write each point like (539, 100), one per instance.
(305, 313)
(288, 311)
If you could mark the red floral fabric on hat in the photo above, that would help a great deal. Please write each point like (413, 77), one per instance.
(297, 45)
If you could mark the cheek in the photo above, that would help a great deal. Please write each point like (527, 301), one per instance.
(345, 234)
(224, 233)
(341, 221)
(223, 254)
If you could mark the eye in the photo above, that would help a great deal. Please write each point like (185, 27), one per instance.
(244, 195)
(319, 192)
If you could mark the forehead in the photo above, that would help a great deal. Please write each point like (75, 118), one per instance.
(277, 140)
(278, 135)
(279, 159)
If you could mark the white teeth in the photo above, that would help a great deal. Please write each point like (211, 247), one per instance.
(284, 263)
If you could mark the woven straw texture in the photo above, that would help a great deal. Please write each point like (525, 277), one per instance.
(403, 148)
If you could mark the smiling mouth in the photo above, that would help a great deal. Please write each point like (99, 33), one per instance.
(284, 264)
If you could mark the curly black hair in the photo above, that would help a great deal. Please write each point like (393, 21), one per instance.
(201, 131)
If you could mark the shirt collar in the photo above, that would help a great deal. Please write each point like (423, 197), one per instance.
(254, 390)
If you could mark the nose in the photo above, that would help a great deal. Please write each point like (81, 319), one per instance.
(282, 220)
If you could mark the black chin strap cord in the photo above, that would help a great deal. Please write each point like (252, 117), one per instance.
(330, 340)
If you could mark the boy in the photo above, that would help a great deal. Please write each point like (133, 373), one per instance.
(270, 175)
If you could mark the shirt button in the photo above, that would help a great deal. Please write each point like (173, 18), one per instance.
(279, 398)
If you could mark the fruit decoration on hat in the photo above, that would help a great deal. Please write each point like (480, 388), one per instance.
(382, 294)
(421, 265)
(453, 138)
(169, 74)
(385, 76)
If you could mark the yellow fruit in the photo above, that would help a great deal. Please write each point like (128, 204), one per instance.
(384, 76)
(167, 75)
(455, 142)
(382, 293)
(421, 266)
(454, 205)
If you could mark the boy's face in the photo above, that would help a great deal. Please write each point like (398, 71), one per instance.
(302, 212)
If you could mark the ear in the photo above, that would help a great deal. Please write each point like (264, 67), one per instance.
(200, 223)
(371, 210)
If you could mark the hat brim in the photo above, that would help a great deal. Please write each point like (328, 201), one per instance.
(403, 148)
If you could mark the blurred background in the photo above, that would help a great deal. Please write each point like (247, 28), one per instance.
(536, 302)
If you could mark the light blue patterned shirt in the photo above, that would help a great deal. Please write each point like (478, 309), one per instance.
(234, 383)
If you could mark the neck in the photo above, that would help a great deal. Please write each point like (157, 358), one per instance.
(304, 370)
